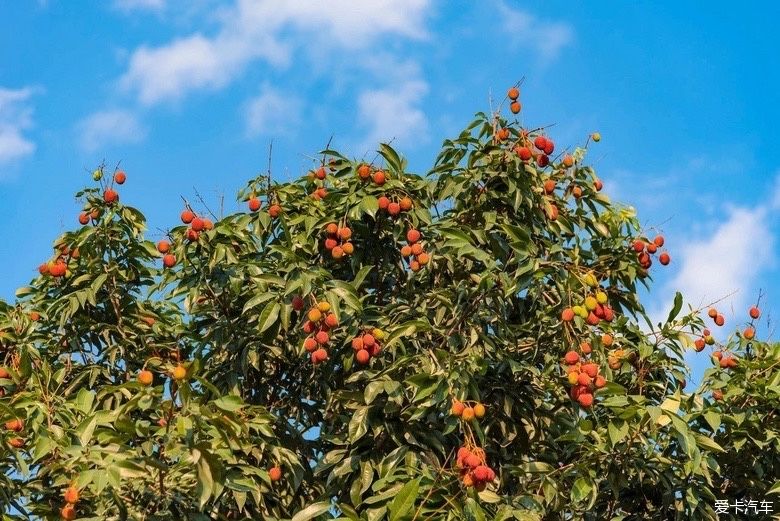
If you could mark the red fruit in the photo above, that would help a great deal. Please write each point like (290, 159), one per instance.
(590, 369)
(699, 344)
(16, 443)
(331, 320)
(749, 333)
(706, 331)
(337, 252)
(71, 495)
(15, 425)
(83, 218)
(651, 247)
(364, 171)
(4, 373)
(406, 251)
(524, 153)
(274, 211)
(732, 361)
(383, 202)
(413, 236)
(275, 473)
(43, 269)
(577, 390)
(345, 233)
(68, 512)
(406, 204)
(638, 246)
(481, 473)
(568, 161)
(567, 315)
(163, 246)
(208, 224)
(120, 178)
(394, 209)
(712, 313)
(571, 358)
(542, 160)
(362, 356)
(473, 461)
(348, 248)
(368, 340)
(585, 399)
(417, 249)
(549, 186)
(330, 243)
(197, 224)
(110, 196)
(169, 261)
(58, 269)
(584, 379)
(357, 344)
(515, 107)
(659, 240)
(724, 362)
(375, 349)
(319, 356)
(598, 185)
(586, 348)
(513, 93)
(608, 314)
(310, 344)
(599, 311)
(320, 173)
(297, 303)
(549, 147)
(720, 320)
(664, 258)
(322, 338)
(717, 395)
(592, 319)
(192, 235)
(600, 382)
(379, 177)
(754, 312)
(187, 215)
(332, 229)
(308, 327)
(254, 205)
(540, 142)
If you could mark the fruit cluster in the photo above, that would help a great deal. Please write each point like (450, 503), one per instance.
(58, 267)
(474, 471)
(320, 192)
(15, 425)
(645, 249)
(169, 259)
(705, 339)
(583, 375)
(513, 93)
(594, 307)
(725, 361)
(367, 345)
(366, 172)
(615, 358)
(467, 410)
(414, 248)
(196, 223)
(71, 496)
(255, 204)
(395, 207)
(318, 324)
(337, 241)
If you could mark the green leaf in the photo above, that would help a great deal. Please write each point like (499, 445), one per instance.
(269, 315)
(358, 425)
(229, 403)
(678, 302)
(312, 511)
(404, 500)
(85, 430)
(713, 419)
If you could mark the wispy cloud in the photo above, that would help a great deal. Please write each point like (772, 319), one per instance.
(547, 37)
(109, 127)
(15, 118)
(139, 5)
(393, 113)
(272, 112)
(274, 32)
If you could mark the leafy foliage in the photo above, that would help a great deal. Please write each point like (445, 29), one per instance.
(471, 318)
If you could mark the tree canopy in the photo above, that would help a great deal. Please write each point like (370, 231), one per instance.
(368, 343)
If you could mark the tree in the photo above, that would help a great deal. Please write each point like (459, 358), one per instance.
(366, 343)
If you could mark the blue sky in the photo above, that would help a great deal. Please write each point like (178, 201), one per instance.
(188, 94)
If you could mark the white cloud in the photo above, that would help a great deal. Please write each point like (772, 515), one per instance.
(15, 118)
(523, 28)
(729, 261)
(268, 30)
(272, 113)
(393, 113)
(133, 5)
(114, 126)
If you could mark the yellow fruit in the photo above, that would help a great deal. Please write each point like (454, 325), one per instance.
(573, 376)
(378, 333)
(314, 315)
(601, 297)
(590, 303)
(479, 410)
(468, 413)
(324, 307)
(590, 280)
(179, 372)
(596, 137)
(580, 311)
